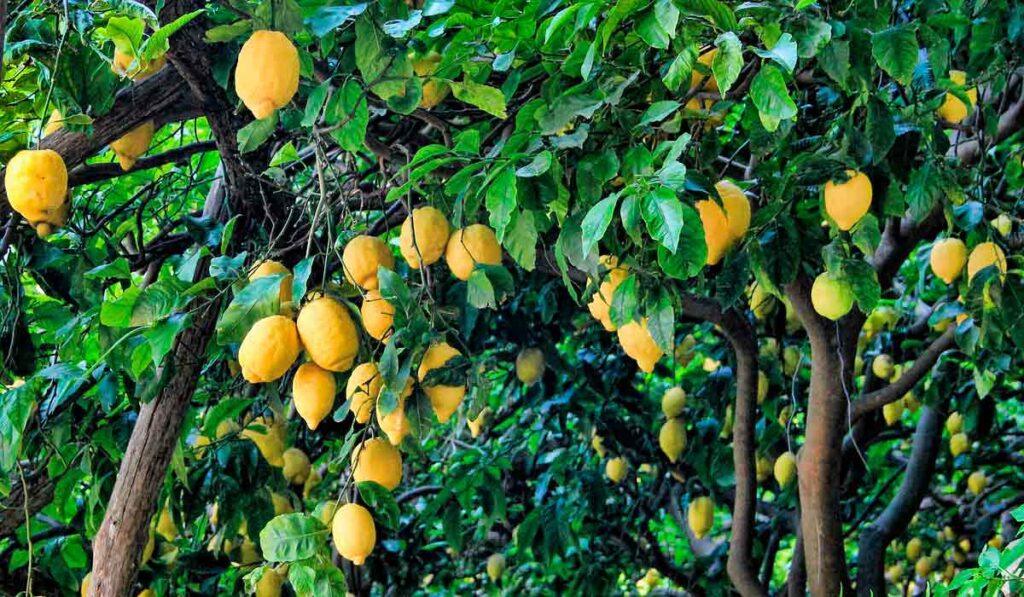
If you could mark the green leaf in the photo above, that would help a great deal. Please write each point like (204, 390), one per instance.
(521, 240)
(349, 109)
(770, 96)
(924, 191)
(300, 279)
(158, 44)
(835, 61)
(291, 537)
(260, 298)
(661, 322)
(256, 133)
(16, 406)
(864, 281)
(229, 32)
(161, 336)
(383, 504)
(371, 58)
(680, 68)
(487, 98)
(728, 61)
(880, 129)
(315, 104)
(329, 18)
(691, 253)
(895, 50)
(658, 26)
(480, 291)
(663, 214)
(784, 52)
(658, 111)
(717, 12)
(540, 164)
(125, 32)
(225, 409)
(501, 201)
(625, 302)
(596, 222)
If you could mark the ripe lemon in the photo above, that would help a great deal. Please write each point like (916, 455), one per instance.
(616, 469)
(959, 443)
(377, 460)
(296, 466)
(847, 202)
(495, 566)
(127, 66)
(146, 593)
(530, 365)
(282, 505)
(56, 123)
(476, 426)
(717, 234)
(267, 73)
(395, 424)
(790, 360)
(882, 366)
(831, 296)
(672, 439)
(36, 182)
(1003, 225)
(165, 526)
(133, 144)
(910, 402)
(762, 387)
(469, 246)
(892, 412)
(269, 267)
(954, 423)
(378, 316)
(763, 468)
(426, 241)
(597, 443)
(354, 533)
(434, 92)
(600, 305)
(636, 341)
(953, 109)
(785, 469)
(762, 303)
(914, 547)
(737, 209)
(362, 390)
(710, 83)
(313, 391)
(977, 482)
(269, 349)
(328, 334)
(270, 442)
(701, 516)
(269, 584)
(362, 256)
(84, 590)
(985, 255)
(923, 567)
(673, 402)
(948, 258)
(445, 399)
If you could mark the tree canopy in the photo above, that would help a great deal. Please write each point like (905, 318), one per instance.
(392, 297)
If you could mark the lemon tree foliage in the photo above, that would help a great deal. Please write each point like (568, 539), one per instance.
(578, 297)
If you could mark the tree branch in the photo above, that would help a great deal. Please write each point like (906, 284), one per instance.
(90, 173)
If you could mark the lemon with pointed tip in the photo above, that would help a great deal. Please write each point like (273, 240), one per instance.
(673, 401)
(954, 423)
(953, 109)
(126, 65)
(831, 296)
(354, 533)
(395, 424)
(892, 412)
(362, 258)
(736, 207)
(672, 439)
(495, 566)
(269, 349)
(530, 365)
(977, 482)
(996, 542)
(717, 234)
(424, 236)
(378, 316)
(270, 441)
(616, 468)
(377, 460)
(636, 341)
(363, 389)
(923, 567)
(914, 547)
(444, 398)
(269, 584)
(763, 468)
(84, 589)
(600, 304)
(282, 505)
(313, 391)
(948, 258)
(269, 267)
(986, 255)
(847, 202)
(267, 72)
(328, 334)
(785, 469)
(701, 516)
(296, 466)
(36, 181)
(476, 426)
(958, 444)
(56, 123)
(130, 147)
(706, 82)
(1003, 225)
(597, 443)
(165, 526)
(469, 246)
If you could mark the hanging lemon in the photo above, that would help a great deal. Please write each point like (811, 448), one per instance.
(267, 73)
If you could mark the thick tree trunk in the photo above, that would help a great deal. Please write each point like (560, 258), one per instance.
(894, 520)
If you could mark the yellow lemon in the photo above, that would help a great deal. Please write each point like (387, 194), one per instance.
(883, 367)
(395, 424)
(959, 443)
(133, 144)
(36, 182)
(673, 402)
(362, 257)
(737, 209)
(763, 468)
(269, 584)
(616, 469)
(165, 526)
(892, 412)
(445, 399)
(469, 246)
(378, 316)
(672, 439)
(270, 441)
(600, 305)
(948, 258)
(717, 234)
(313, 391)
(377, 460)
(790, 360)
(354, 533)
(762, 387)
(597, 443)
(282, 505)
(847, 202)
(701, 516)
(785, 469)
(434, 92)
(84, 589)
(636, 341)
(530, 365)
(127, 66)
(296, 466)
(362, 390)
(977, 482)
(328, 334)
(831, 296)
(146, 593)
(425, 241)
(954, 423)
(985, 255)
(914, 547)
(269, 267)
(762, 303)
(267, 73)
(495, 566)
(56, 123)
(269, 349)
(923, 567)
(476, 426)
(1003, 225)
(953, 109)
(696, 77)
